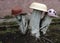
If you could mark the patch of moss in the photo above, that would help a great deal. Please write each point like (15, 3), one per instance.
(8, 17)
(8, 23)
(0, 41)
(56, 20)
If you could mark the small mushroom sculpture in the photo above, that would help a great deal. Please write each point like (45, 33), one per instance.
(36, 15)
(20, 18)
(47, 20)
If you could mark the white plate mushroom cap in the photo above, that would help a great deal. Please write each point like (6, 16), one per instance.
(39, 6)
(52, 13)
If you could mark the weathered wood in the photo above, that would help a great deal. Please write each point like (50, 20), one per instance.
(7, 20)
(9, 26)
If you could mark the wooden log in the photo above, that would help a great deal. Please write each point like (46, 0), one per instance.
(8, 26)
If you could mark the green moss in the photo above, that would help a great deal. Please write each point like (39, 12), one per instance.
(0, 41)
(8, 23)
(8, 17)
(56, 20)
(55, 26)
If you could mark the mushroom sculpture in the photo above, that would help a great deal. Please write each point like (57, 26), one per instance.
(47, 20)
(36, 15)
(20, 18)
